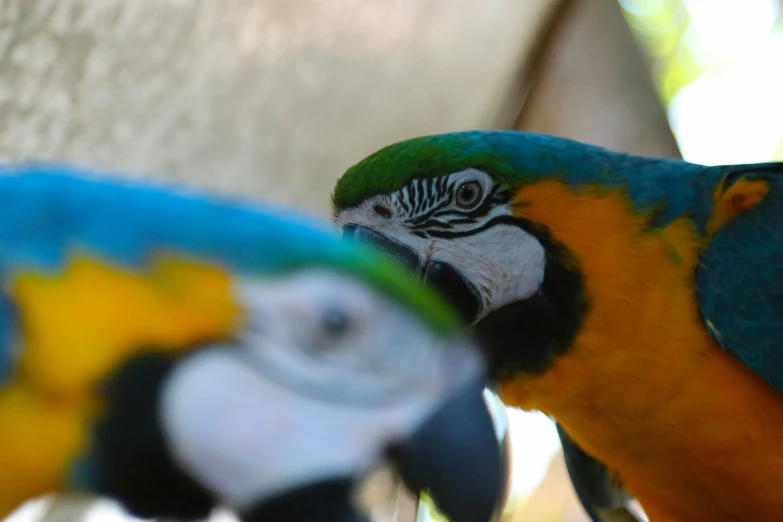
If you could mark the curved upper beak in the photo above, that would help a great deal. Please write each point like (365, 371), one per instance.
(327, 500)
(456, 458)
(440, 275)
(406, 255)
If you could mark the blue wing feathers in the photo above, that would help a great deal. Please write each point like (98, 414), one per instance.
(739, 281)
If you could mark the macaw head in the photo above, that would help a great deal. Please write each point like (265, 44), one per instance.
(343, 361)
(523, 233)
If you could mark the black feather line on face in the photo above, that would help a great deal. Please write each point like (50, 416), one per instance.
(498, 220)
(418, 197)
(432, 187)
(441, 183)
(480, 211)
(431, 223)
(462, 221)
(403, 204)
(431, 198)
(526, 336)
(131, 459)
(427, 215)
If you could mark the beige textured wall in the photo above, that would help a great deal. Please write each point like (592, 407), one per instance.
(271, 98)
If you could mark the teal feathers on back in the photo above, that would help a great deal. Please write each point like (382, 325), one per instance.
(739, 281)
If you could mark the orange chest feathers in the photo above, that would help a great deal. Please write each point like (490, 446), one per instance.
(693, 434)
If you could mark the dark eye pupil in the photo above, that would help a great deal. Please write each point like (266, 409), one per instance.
(468, 194)
(335, 322)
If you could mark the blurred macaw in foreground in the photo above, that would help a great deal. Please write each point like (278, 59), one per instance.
(174, 352)
(637, 301)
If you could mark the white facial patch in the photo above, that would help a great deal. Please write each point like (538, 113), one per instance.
(247, 438)
(504, 262)
(385, 352)
(293, 405)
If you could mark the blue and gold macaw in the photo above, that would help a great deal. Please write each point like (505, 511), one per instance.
(173, 351)
(637, 301)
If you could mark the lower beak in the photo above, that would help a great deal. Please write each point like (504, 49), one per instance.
(456, 458)
(441, 276)
(320, 501)
(454, 288)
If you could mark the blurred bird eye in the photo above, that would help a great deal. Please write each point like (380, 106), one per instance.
(468, 194)
(335, 321)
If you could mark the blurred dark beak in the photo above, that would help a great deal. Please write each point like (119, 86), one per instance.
(441, 276)
(326, 501)
(456, 458)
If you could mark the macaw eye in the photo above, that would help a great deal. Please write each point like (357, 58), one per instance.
(335, 321)
(468, 194)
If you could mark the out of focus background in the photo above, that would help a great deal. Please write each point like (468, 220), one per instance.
(274, 99)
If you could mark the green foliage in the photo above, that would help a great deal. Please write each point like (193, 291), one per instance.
(433, 515)
(660, 27)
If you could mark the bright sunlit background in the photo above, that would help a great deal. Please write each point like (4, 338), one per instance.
(717, 66)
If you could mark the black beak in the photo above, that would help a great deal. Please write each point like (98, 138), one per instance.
(454, 288)
(396, 249)
(327, 501)
(457, 459)
(462, 295)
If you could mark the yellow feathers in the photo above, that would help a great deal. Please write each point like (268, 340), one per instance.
(38, 437)
(81, 323)
(77, 326)
(631, 273)
(645, 389)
